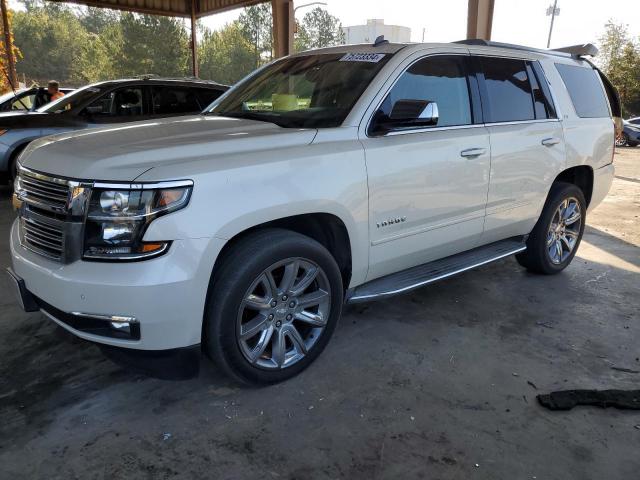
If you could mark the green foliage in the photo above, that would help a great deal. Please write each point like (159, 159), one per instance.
(226, 55)
(619, 58)
(319, 29)
(79, 45)
(256, 25)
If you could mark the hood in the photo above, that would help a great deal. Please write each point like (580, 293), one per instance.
(124, 152)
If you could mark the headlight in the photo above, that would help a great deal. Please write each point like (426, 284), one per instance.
(117, 218)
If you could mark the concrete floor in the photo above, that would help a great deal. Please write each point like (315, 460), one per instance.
(437, 384)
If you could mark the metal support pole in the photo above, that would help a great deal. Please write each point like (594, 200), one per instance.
(553, 16)
(283, 26)
(8, 45)
(194, 42)
(480, 19)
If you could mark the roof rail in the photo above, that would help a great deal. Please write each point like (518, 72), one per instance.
(584, 50)
(576, 51)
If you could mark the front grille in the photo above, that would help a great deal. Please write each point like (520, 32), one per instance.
(45, 193)
(44, 238)
(51, 214)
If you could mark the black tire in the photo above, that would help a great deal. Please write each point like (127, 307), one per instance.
(536, 257)
(242, 264)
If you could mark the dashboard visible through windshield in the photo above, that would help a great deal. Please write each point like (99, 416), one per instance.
(314, 91)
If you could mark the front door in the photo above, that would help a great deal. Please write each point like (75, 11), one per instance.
(428, 185)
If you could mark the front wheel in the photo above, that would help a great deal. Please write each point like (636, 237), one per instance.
(622, 140)
(273, 305)
(556, 236)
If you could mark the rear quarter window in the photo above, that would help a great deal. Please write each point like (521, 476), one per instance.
(585, 90)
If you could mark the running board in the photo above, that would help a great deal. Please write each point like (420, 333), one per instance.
(416, 277)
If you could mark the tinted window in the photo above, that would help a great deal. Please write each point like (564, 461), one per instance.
(543, 104)
(585, 90)
(23, 103)
(169, 100)
(124, 102)
(206, 96)
(442, 80)
(508, 90)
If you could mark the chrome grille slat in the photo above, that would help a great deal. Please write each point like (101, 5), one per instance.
(45, 192)
(42, 233)
(43, 243)
(49, 186)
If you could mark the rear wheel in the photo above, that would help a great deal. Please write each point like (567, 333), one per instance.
(555, 239)
(273, 305)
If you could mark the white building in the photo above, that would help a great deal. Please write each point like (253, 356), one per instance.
(373, 29)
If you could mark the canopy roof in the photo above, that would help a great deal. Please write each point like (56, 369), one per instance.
(173, 8)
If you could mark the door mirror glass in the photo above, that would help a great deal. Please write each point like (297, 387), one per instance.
(407, 113)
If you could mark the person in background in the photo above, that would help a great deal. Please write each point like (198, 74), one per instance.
(53, 88)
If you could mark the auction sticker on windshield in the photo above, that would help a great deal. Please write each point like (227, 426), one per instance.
(362, 57)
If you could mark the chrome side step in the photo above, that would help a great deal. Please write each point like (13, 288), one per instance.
(416, 277)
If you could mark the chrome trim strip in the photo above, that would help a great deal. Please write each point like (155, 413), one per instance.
(357, 298)
(108, 318)
(143, 185)
(130, 257)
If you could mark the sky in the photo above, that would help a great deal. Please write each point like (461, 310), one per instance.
(515, 21)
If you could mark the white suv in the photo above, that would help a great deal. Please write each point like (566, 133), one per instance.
(339, 175)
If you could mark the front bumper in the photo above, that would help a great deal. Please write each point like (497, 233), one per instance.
(164, 296)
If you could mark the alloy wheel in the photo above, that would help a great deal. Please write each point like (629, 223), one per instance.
(564, 230)
(283, 313)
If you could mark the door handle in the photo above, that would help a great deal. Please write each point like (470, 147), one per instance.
(550, 142)
(473, 152)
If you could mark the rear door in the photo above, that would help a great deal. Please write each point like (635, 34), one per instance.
(527, 143)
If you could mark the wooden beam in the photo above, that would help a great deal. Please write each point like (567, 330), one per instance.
(480, 19)
(194, 43)
(8, 45)
(283, 27)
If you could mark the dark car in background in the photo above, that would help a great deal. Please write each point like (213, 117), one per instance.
(630, 136)
(27, 99)
(101, 104)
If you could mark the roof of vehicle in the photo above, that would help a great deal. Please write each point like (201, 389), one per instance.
(382, 46)
(155, 79)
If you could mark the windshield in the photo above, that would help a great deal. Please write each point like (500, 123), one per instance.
(315, 91)
(10, 95)
(71, 100)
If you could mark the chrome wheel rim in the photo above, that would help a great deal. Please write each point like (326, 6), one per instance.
(283, 313)
(564, 230)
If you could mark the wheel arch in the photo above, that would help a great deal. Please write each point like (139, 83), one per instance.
(326, 228)
(580, 176)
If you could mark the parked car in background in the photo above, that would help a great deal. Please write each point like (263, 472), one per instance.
(100, 104)
(27, 99)
(630, 135)
(352, 173)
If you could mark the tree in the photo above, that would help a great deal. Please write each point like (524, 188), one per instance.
(620, 60)
(4, 75)
(226, 55)
(256, 25)
(319, 29)
(53, 42)
(152, 44)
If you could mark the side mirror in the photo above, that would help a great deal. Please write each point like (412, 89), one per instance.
(94, 110)
(407, 113)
